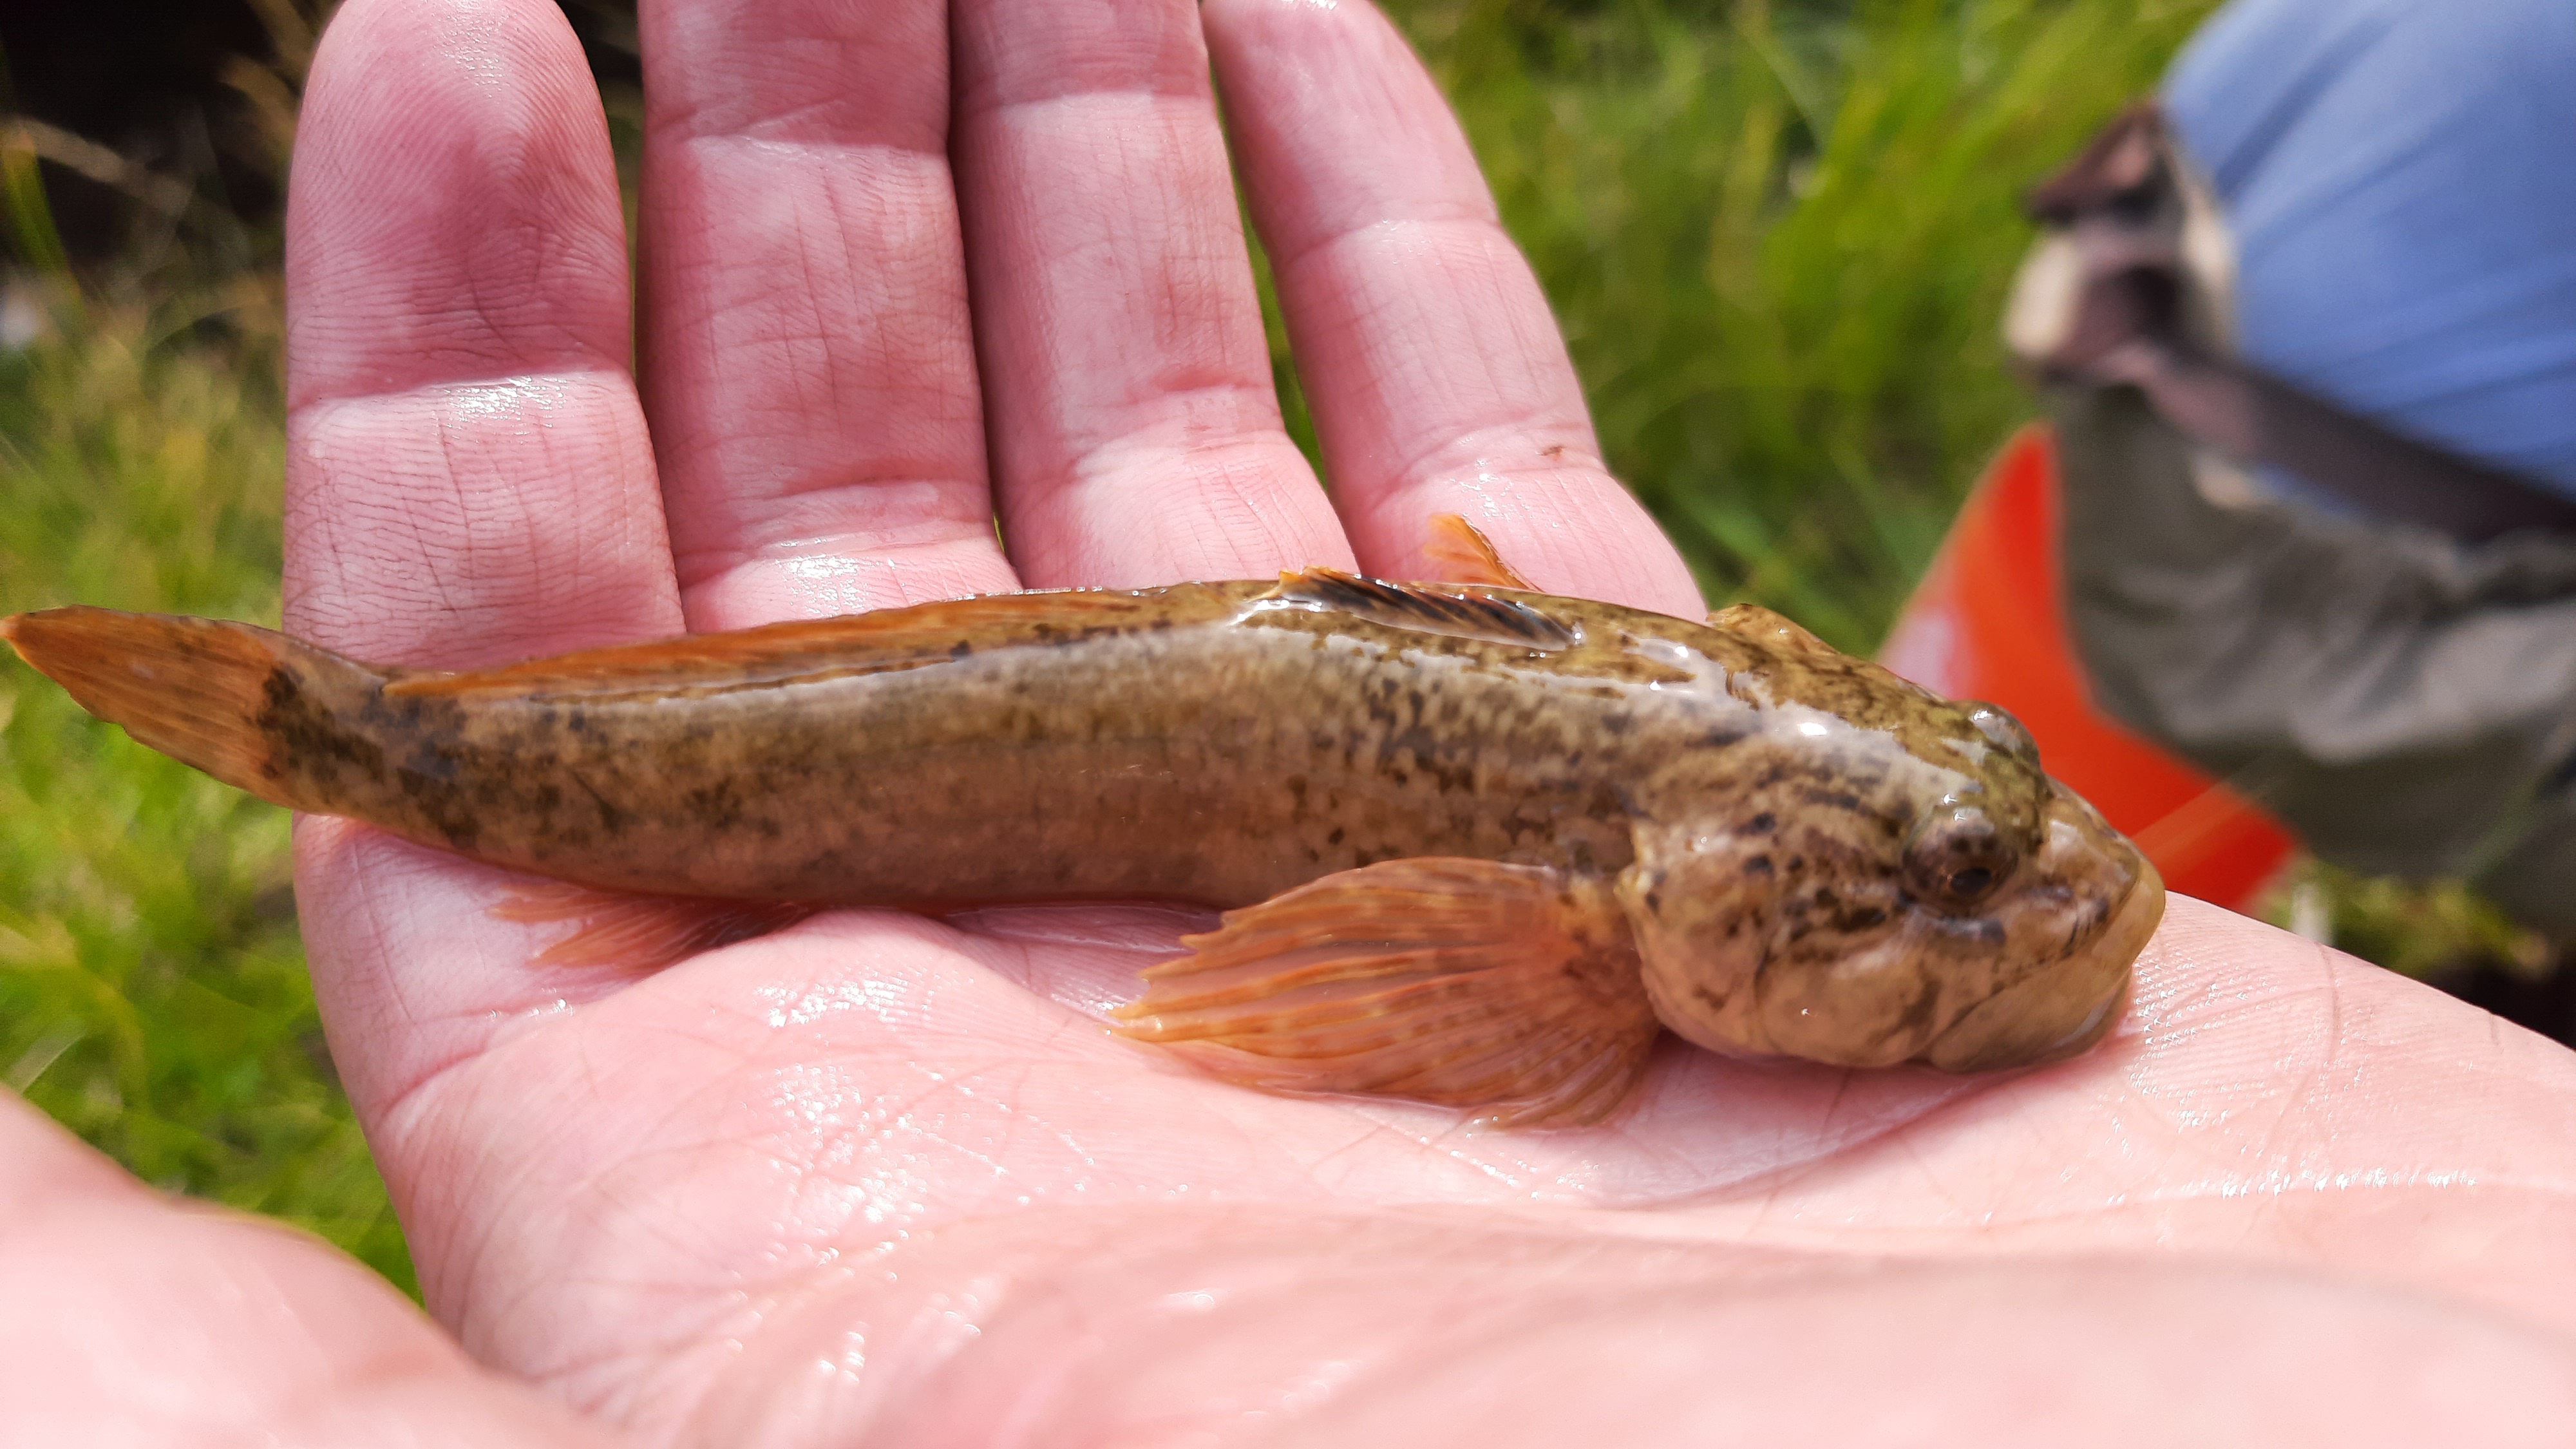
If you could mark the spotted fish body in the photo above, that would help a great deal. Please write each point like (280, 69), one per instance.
(1483, 840)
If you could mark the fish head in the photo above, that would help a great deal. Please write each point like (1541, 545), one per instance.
(1866, 889)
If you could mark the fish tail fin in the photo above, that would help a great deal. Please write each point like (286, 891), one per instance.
(193, 689)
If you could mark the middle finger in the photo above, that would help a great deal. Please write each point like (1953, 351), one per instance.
(809, 368)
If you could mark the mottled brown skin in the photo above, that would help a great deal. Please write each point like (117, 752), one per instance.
(1815, 857)
(1197, 742)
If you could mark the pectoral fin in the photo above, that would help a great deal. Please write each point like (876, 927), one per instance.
(1464, 983)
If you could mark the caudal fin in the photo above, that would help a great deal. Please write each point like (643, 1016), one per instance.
(191, 688)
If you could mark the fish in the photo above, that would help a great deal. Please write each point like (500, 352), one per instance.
(1475, 845)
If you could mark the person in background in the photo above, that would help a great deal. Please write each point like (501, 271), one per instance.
(2313, 325)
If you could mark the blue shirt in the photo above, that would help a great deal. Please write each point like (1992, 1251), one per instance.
(2400, 177)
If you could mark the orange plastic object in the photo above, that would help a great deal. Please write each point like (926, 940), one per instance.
(1989, 622)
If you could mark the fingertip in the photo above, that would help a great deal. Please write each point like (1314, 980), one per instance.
(453, 207)
(468, 471)
(1337, 76)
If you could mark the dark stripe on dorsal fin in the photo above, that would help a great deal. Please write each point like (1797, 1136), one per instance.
(1448, 610)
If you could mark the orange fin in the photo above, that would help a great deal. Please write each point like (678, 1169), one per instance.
(1454, 612)
(640, 933)
(884, 639)
(1767, 626)
(1466, 983)
(1463, 555)
(191, 688)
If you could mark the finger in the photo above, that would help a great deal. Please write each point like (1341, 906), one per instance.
(1438, 379)
(1135, 431)
(128, 1319)
(811, 369)
(468, 477)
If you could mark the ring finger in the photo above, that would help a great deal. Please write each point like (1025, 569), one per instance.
(1136, 434)
(808, 362)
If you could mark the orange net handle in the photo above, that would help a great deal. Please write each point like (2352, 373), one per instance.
(1988, 621)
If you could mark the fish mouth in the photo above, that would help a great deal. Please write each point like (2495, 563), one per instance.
(2131, 926)
(2069, 1006)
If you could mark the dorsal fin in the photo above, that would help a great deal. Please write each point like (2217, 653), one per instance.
(1462, 554)
(904, 638)
(1451, 611)
(1769, 627)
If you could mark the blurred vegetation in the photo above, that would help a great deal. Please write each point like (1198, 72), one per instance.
(1777, 235)
(2439, 931)
(152, 988)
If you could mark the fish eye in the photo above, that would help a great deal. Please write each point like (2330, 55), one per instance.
(1957, 856)
(2002, 730)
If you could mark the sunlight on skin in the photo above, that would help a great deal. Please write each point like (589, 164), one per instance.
(126, 1318)
(889, 1179)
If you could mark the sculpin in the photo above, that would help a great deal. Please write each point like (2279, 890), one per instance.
(1481, 844)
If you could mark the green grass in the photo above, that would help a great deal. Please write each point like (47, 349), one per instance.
(1777, 237)
(152, 988)
(1778, 241)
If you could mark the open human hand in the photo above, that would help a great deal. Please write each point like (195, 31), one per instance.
(890, 1180)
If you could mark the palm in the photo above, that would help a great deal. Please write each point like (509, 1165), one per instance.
(871, 1142)
(885, 1174)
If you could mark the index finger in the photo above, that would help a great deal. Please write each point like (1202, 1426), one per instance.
(468, 477)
